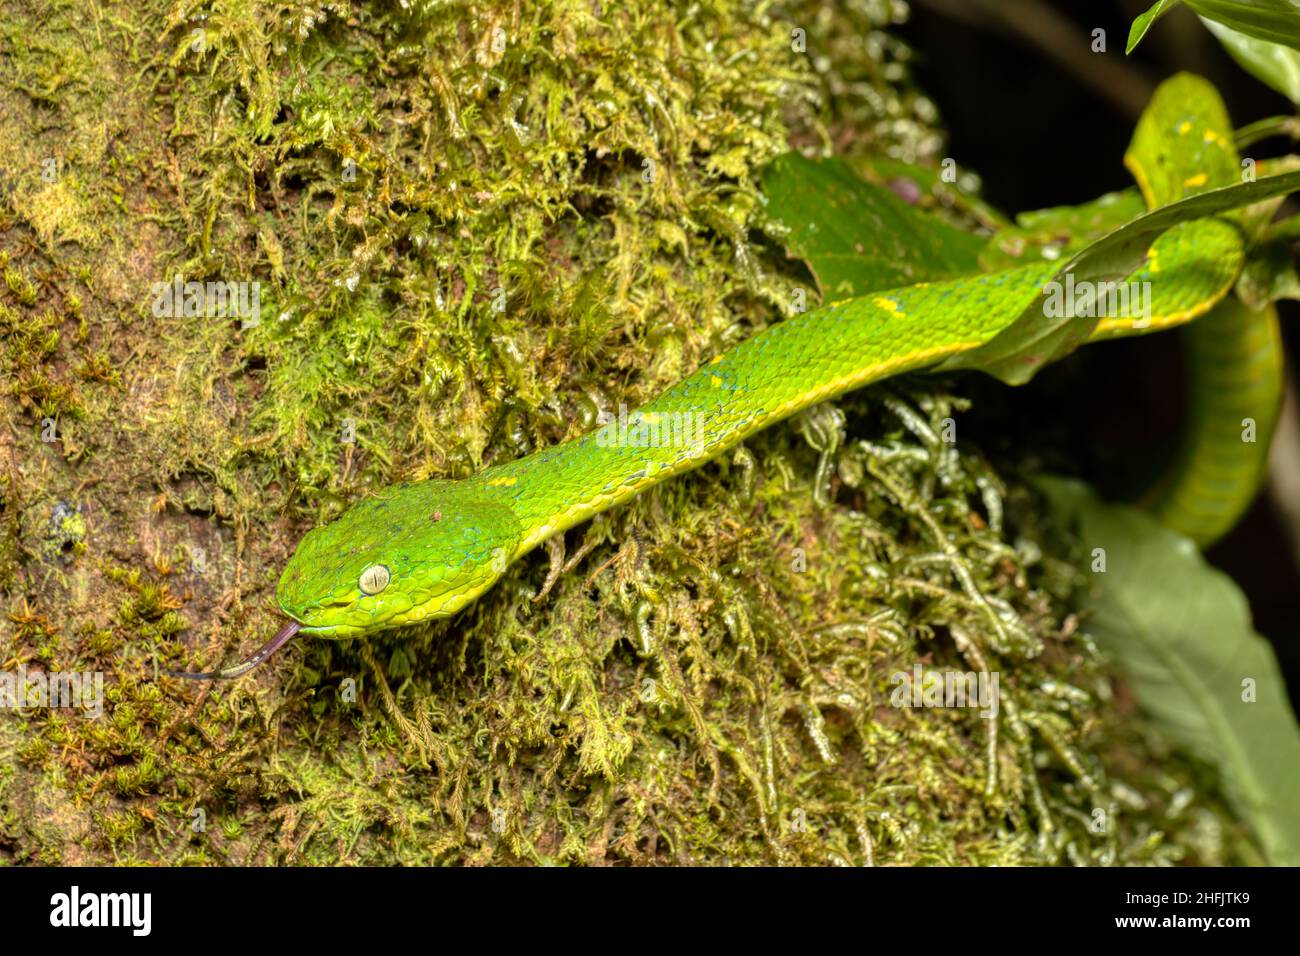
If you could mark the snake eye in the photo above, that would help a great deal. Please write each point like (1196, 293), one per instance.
(374, 579)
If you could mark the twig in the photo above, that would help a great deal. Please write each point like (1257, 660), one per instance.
(1059, 39)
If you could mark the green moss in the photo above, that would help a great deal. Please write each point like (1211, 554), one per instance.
(472, 226)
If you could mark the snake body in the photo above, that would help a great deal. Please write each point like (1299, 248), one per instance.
(446, 542)
(1233, 357)
(423, 550)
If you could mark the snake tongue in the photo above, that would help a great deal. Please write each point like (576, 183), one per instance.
(282, 637)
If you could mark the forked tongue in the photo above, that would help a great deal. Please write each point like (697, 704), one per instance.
(282, 637)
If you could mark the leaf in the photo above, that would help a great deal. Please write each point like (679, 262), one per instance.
(1143, 21)
(1270, 273)
(1090, 219)
(1276, 21)
(1051, 233)
(931, 183)
(858, 237)
(1270, 63)
(1181, 632)
(1255, 219)
(1269, 21)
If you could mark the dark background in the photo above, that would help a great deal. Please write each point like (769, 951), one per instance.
(1045, 122)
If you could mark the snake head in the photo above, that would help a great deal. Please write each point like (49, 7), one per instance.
(414, 552)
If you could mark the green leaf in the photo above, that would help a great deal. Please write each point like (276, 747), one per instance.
(1271, 63)
(1276, 21)
(858, 237)
(1142, 22)
(1181, 632)
(1060, 230)
(1255, 219)
(1087, 220)
(933, 184)
(1270, 273)
(1269, 21)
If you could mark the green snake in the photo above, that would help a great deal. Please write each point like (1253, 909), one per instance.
(423, 550)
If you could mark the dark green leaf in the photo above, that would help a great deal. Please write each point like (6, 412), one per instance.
(1270, 272)
(1181, 632)
(935, 185)
(858, 237)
